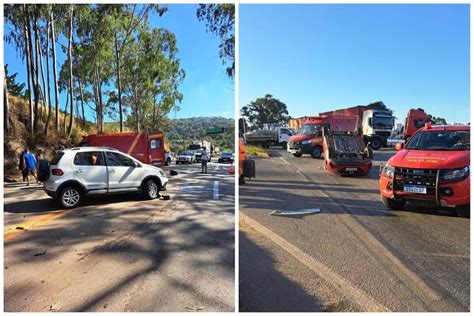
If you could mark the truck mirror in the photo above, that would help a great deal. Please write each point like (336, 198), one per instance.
(399, 146)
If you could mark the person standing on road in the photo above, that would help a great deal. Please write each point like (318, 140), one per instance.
(21, 165)
(204, 159)
(30, 165)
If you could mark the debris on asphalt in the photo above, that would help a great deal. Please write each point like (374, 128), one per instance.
(56, 307)
(40, 253)
(20, 228)
(105, 305)
(173, 173)
(165, 197)
(195, 309)
(296, 212)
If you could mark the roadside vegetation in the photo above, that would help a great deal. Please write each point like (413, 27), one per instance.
(256, 151)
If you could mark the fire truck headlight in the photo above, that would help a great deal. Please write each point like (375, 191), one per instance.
(388, 170)
(455, 174)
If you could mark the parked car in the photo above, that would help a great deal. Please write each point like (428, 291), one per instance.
(185, 157)
(77, 172)
(433, 167)
(226, 156)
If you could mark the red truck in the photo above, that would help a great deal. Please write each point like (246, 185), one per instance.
(146, 147)
(416, 119)
(344, 150)
(433, 167)
(309, 139)
(376, 124)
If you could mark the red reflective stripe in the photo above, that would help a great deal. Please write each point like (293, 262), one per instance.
(134, 144)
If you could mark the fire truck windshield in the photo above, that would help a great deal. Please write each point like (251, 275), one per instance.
(440, 140)
(309, 129)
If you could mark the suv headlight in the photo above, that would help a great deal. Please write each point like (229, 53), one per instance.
(455, 174)
(306, 142)
(388, 170)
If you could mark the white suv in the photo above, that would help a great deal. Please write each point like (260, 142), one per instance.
(81, 171)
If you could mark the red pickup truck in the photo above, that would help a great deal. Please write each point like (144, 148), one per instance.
(146, 147)
(433, 167)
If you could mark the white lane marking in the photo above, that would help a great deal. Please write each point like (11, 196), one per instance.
(215, 191)
(286, 162)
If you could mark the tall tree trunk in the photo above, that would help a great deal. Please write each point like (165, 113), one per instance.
(101, 104)
(28, 68)
(55, 73)
(37, 71)
(71, 85)
(45, 102)
(6, 106)
(34, 86)
(65, 114)
(81, 91)
(136, 108)
(119, 82)
(48, 119)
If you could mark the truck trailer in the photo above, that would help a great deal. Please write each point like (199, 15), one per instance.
(376, 124)
(146, 147)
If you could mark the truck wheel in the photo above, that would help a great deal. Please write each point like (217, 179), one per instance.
(168, 161)
(376, 143)
(463, 210)
(316, 153)
(297, 155)
(369, 152)
(70, 196)
(393, 204)
(284, 145)
(151, 190)
(241, 180)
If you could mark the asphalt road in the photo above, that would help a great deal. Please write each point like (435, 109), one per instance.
(355, 255)
(122, 253)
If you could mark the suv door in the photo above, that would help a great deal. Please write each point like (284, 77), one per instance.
(123, 173)
(89, 167)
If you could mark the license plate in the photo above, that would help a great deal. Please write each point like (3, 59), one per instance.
(351, 169)
(414, 189)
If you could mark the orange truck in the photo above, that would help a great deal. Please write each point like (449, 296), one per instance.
(146, 147)
(416, 119)
(433, 167)
(309, 139)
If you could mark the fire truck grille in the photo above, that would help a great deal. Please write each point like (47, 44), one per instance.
(422, 177)
(294, 145)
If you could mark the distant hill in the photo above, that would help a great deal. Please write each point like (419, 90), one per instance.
(180, 132)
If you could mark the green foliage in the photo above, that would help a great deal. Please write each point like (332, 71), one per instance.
(265, 110)
(219, 19)
(379, 105)
(14, 88)
(437, 120)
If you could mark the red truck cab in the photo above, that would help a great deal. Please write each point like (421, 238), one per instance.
(433, 167)
(344, 150)
(309, 139)
(146, 147)
(416, 119)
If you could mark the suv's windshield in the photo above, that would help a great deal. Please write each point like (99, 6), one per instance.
(309, 129)
(440, 140)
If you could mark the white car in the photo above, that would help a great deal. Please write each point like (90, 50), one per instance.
(185, 157)
(74, 173)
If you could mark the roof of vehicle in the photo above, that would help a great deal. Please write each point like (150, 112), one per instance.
(120, 134)
(89, 148)
(448, 128)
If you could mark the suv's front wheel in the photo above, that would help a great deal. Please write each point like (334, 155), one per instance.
(70, 196)
(151, 190)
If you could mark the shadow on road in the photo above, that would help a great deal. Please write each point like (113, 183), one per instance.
(264, 289)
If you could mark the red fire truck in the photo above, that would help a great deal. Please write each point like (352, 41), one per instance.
(433, 167)
(146, 147)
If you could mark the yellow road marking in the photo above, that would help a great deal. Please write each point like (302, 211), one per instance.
(134, 144)
(11, 232)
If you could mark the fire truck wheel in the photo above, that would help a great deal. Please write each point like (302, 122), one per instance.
(463, 211)
(316, 153)
(393, 204)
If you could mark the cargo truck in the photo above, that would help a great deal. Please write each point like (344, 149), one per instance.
(416, 119)
(432, 168)
(197, 147)
(269, 137)
(376, 124)
(145, 147)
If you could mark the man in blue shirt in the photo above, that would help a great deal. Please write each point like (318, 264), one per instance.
(30, 165)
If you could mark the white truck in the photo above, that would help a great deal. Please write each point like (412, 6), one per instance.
(197, 148)
(269, 137)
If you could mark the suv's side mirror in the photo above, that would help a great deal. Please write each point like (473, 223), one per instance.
(399, 146)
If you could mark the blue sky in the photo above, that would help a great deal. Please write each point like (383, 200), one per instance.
(321, 57)
(207, 90)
